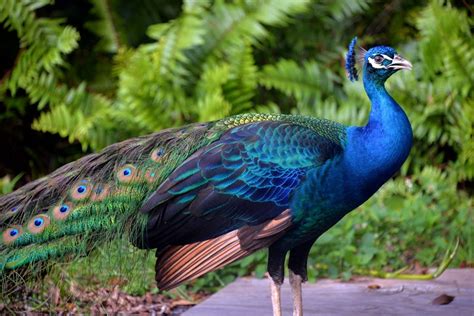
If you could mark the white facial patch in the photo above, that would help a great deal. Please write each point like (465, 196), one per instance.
(375, 64)
(381, 65)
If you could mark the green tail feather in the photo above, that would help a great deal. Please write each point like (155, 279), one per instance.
(92, 200)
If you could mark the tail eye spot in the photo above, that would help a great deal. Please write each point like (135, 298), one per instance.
(127, 173)
(11, 234)
(62, 211)
(157, 154)
(101, 191)
(150, 176)
(38, 222)
(81, 189)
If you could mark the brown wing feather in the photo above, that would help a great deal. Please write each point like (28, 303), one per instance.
(178, 264)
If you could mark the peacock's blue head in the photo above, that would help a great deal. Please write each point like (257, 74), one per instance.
(378, 63)
(381, 62)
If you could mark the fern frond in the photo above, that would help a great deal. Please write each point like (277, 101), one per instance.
(89, 127)
(213, 106)
(152, 101)
(459, 64)
(211, 102)
(302, 82)
(342, 9)
(178, 35)
(104, 26)
(240, 89)
(239, 25)
(44, 42)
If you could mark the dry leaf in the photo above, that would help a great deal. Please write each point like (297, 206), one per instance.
(70, 307)
(117, 281)
(443, 299)
(182, 302)
(54, 295)
(374, 286)
(148, 298)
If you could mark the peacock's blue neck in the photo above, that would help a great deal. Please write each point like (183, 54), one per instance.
(377, 150)
(383, 108)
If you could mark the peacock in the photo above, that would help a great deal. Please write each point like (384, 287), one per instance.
(207, 194)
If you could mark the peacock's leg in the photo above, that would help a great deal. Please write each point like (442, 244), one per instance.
(295, 282)
(298, 274)
(276, 271)
(276, 297)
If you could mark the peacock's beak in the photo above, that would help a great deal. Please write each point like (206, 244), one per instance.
(399, 62)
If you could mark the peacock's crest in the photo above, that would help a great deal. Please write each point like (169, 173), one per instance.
(353, 57)
(351, 61)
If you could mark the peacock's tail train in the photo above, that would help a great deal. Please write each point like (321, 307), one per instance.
(92, 200)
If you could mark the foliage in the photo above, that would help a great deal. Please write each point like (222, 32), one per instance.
(191, 62)
(215, 59)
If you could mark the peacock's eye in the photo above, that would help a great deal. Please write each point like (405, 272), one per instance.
(157, 154)
(64, 208)
(62, 211)
(81, 190)
(38, 224)
(11, 234)
(150, 176)
(101, 191)
(378, 59)
(127, 173)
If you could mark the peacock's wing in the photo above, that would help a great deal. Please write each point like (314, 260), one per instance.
(230, 197)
